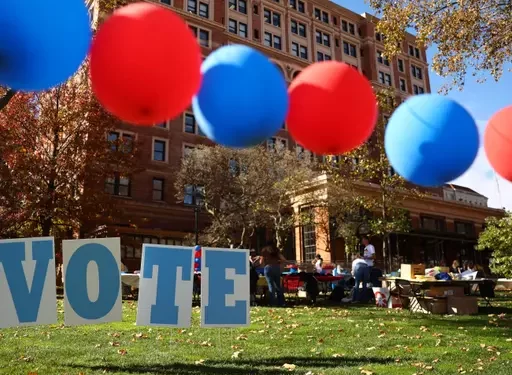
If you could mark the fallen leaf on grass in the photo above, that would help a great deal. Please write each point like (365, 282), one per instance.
(115, 334)
(200, 362)
(242, 337)
(236, 355)
(114, 343)
(289, 366)
(122, 351)
(336, 355)
(371, 348)
(366, 372)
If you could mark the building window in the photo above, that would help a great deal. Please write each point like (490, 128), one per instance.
(120, 141)
(378, 36)
(193, 195)
(321, 15)
(351, 29)
(323, 38)
(349, 49)
(417, 90)
(320, 56)
(298, 28)
(464, 228)
(297, 5)
(403, 86)
(203, 8)
(238, 28)
(432, 224)
(163, 125)
(118, 185)
(272, 18)
(401, 65)
(190, 123)
(381, 59)
(166, 2)
(304, 154)
(158, 189)
(385, 78)
(188, 150)
(413, 51)
(299, 50)
(272, 40)
(416, 72)
(308, 232)
(159, 150)
(238, 5)
(275, 143)
(202, 35)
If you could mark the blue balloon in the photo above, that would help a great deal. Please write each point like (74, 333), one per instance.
(431, 140)
(42, 43)
(243, 98)
(197, 247)
(197, 260)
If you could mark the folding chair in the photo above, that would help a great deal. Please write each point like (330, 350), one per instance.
(487, 291)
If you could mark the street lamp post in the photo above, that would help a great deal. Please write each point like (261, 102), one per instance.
(195, 200)
(196, 223)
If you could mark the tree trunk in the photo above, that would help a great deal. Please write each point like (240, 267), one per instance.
(385, 253)
(46, 227)
(7, 98)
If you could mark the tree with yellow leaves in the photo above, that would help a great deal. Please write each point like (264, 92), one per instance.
(471, 36)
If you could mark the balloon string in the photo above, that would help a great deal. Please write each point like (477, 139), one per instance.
(498, 187)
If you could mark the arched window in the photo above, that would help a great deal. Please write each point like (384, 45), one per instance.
(296, 73)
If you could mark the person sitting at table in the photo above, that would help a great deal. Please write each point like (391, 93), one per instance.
(271, 259)
(361, 272)
(455, 268)
(470, 267)
(255, 259)
(124, 269)
(318, 261)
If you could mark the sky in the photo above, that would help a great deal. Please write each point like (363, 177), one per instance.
(482, 100)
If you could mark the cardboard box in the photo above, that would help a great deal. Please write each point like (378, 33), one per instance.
(428, 305)
(467, 305)
(445, 291)
(409, 271)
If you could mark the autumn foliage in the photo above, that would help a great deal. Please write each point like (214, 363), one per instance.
(54, 158)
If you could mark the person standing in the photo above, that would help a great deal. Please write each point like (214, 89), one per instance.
(361, 272)
(318, 262)
(369, 252)
(271, 259)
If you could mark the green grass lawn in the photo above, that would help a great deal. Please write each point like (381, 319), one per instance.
(302, 340)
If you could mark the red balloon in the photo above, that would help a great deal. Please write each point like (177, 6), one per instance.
(498, 142)
(145, 64)
(332, 108)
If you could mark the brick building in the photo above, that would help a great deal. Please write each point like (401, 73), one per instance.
(293, 33)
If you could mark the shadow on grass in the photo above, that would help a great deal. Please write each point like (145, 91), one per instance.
(264, 366)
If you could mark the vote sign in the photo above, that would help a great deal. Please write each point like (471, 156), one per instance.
(92, 284)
